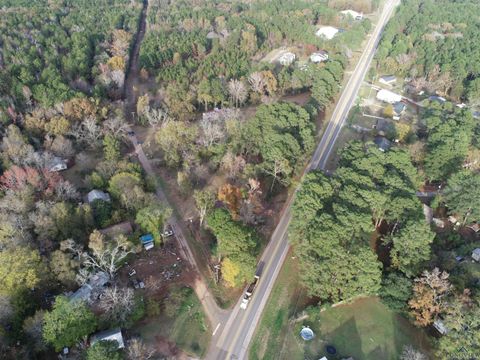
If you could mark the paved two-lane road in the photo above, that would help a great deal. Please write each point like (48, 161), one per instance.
(234, 338)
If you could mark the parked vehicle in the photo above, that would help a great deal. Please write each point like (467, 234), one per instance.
(249, 293)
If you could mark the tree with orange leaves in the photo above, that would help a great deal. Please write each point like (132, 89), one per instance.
(231, 196)
(428, 294)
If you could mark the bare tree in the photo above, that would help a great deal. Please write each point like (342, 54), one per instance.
(115, 126)
(204, 201)
(238, 91)
(105, 255)
(257, 82)
(118, 303)
(156, 117)
(232, 164)
(409, 353)
(137, 350)
(87, 132)
(65, 190)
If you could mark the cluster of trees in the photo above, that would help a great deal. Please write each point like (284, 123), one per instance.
(334, 218)
(209, 55)
(48, 241)
(269, 146)
(60, 51)
(432, 42)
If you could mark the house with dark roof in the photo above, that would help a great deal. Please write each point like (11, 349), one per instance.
(382, 143)
(398, 110)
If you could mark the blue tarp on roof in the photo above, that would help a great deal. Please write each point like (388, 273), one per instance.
(146, 238)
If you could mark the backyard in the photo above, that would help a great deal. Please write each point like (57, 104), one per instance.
(187, 329)
(365, 329)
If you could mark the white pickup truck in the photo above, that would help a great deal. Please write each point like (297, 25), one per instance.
(249, 293)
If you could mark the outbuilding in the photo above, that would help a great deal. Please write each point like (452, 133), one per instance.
(109, 335)
(354, 14)
(286, 58)
(398, 110)
(388, 96)
(327, 32)
(382, 143)
(319, 56)
(476, 254)
(97, 195)
(387, 80)
(57, 164)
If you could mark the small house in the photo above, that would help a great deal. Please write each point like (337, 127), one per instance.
(475, 227)
(387, 80)
(440, 327)
(109, 335)
(476, 114)
(319, 56)
(437, 99)
(382, 143)
(327, 32)
(92, 287)
(398, 110)
(354, 14)
(388, 96)
(476, 254)
(57, 164)
(97, 195)
(286, 58)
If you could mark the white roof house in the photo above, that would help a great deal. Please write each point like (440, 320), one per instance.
(319, 56)
(57, 164)
(109, 335)
(286, 58)
(387, 79)
(388, 96)
(476, 254)
(97, 195)
(355, 15)
(327, 32)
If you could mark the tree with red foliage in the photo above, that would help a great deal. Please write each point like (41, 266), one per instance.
(18, 178)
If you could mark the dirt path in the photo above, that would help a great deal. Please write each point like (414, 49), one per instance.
(214, 313)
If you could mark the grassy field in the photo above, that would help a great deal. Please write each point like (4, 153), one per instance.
(365, 329)
(273, 328)
(188, 329)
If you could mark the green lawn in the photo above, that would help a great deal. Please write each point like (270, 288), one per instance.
(365, 329)
(188, 329)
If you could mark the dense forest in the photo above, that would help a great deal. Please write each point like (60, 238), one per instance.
(436, 44)
(63, 66)
(63, 49)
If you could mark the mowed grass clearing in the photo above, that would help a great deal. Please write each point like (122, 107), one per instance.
(365, 329)
(188, 329)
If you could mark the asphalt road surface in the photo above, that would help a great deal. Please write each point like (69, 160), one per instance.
(233, 339)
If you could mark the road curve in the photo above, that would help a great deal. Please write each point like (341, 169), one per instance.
(234, 339)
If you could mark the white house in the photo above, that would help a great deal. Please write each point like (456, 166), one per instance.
(476, 254)
(57, 164)
(319, 56)
(388, 96)
(387, 80)
(286, 58)
(327, 32)
(109, 335)
(355, 15)
(97, 195)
